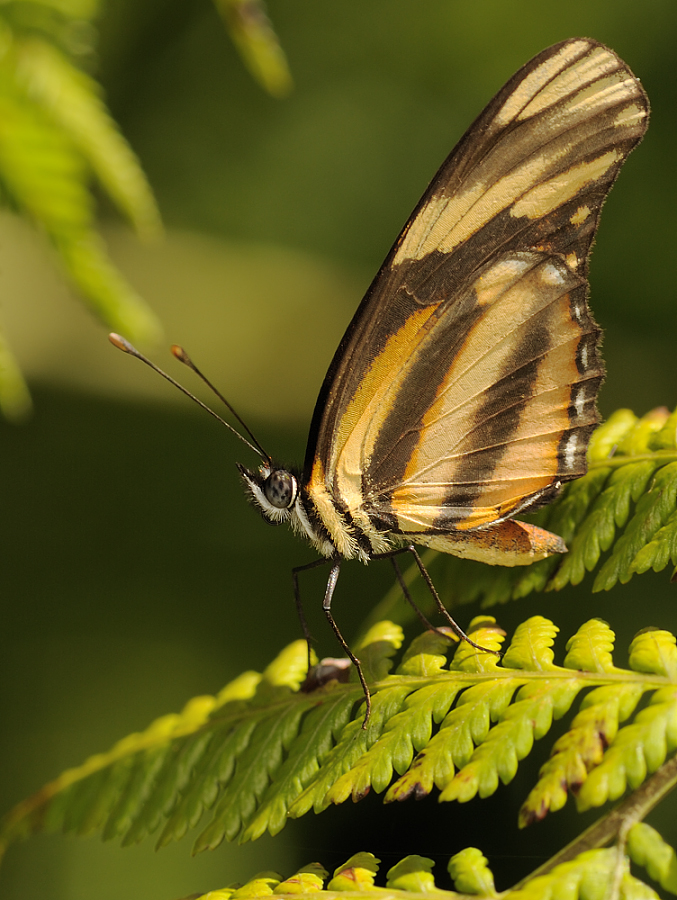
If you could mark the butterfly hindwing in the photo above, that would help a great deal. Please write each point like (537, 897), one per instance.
(497, 426)
(465, 387)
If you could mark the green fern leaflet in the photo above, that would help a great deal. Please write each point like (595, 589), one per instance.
(263, 750)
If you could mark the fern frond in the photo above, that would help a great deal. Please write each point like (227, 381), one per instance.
(625, 506)
(589, 875)
(263, 750)
(579, 760)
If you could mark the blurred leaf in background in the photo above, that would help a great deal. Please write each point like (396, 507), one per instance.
(56, 133)
(252, 33)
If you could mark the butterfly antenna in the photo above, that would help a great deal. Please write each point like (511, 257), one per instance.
(124, 345)
(183, 357)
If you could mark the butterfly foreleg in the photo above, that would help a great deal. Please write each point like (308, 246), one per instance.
(326, 606)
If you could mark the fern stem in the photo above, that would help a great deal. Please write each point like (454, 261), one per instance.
(615, 824)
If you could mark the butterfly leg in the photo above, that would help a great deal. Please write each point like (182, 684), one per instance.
(405, 589)
(433, 593)
(442, 608)
(326, 606)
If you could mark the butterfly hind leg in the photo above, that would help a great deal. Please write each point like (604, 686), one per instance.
(326, 606)
(391, 555)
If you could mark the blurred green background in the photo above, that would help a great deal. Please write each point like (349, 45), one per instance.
(133, 574)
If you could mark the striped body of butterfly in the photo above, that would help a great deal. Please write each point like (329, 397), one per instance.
(464, 390)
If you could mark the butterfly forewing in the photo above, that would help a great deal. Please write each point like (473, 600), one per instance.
(465, 387)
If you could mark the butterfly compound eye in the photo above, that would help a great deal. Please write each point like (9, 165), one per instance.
(280, 489)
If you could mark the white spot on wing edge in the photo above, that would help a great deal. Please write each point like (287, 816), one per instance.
(569, 451)
(579, 400)
(577, 311)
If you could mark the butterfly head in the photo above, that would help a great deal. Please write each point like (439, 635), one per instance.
(272, 490)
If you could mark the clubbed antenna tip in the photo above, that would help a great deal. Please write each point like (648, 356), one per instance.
(122, 344)
(181, 355)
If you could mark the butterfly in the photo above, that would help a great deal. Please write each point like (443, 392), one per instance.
(464, 390)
